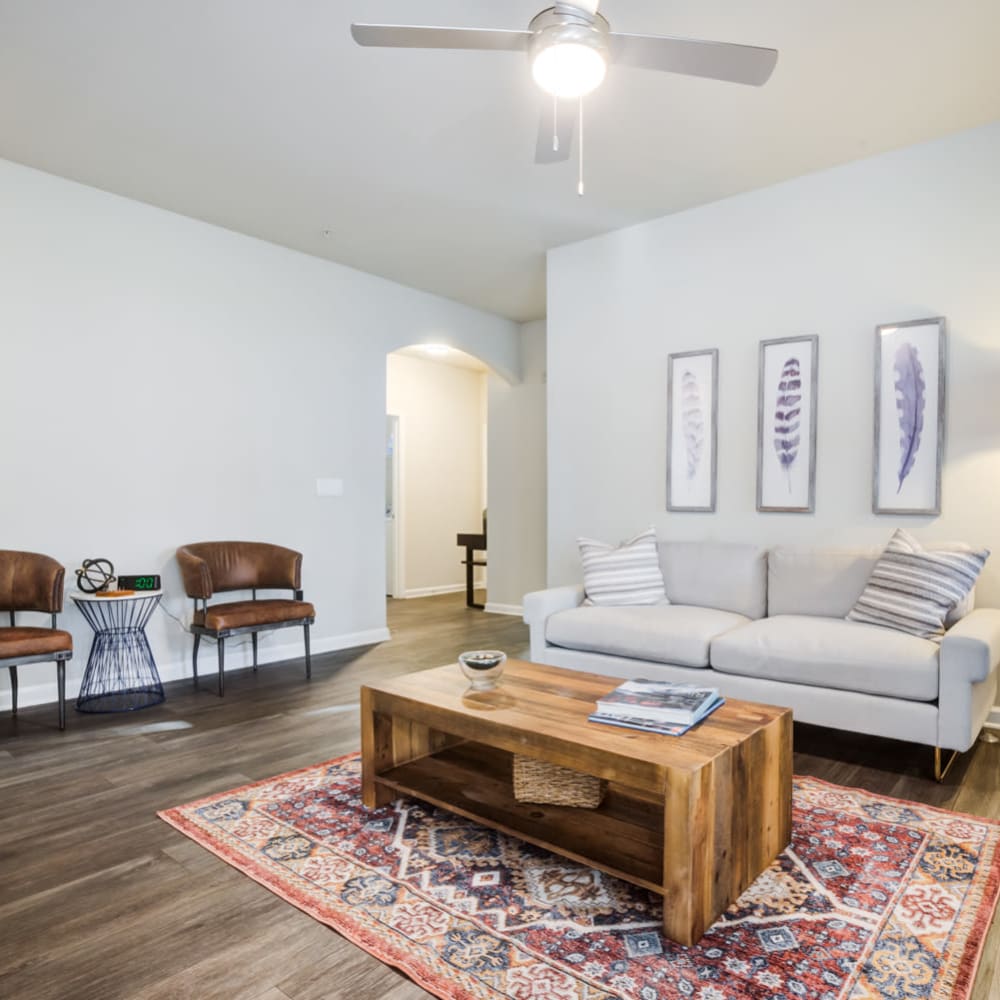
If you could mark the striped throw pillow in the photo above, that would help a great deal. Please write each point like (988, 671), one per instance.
(623, 574)
(912, 589)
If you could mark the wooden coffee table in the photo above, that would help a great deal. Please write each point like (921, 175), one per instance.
(695, 818)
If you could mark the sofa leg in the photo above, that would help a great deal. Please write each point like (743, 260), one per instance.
(222, 665)
(194, 659)
(309, 668)
(939, 772)
(13, 689)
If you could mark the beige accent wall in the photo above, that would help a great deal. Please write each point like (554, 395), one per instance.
(441, 409)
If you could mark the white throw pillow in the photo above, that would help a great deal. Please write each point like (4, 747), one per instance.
(912, 589)
(623, 574)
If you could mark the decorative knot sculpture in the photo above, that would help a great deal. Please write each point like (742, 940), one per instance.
(95, 575)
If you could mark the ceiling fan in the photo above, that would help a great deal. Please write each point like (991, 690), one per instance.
(569, 46)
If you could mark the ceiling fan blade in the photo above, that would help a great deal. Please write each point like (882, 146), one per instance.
(408, 36)
(559, 121)
(716, 60)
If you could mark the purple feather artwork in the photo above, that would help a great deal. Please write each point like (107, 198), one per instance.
(692, 422)
(787, 416)
(910, 390)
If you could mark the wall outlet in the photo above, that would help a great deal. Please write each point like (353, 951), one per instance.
(329, 487)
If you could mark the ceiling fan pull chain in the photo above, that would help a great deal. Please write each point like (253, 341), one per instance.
(579, 186)
(555, 124)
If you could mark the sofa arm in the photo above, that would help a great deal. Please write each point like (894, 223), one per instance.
(539, 604)
(970, 649)
(967, 688)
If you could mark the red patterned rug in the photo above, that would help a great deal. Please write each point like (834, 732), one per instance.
(875, 898)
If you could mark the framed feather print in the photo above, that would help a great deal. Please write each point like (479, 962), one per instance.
(692, 429)
(786, 424)
(909, 417)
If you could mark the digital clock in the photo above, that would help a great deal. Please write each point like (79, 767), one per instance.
(151, 581)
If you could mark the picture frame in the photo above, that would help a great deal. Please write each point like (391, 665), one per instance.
(910, 375)
(787, 383)
(692, 430)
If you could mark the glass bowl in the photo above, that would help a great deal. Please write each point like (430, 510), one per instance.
(482, 667)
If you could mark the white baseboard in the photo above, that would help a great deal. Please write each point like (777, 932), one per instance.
(238, 655)
(993, 719)
(505, 609)
(448, 588)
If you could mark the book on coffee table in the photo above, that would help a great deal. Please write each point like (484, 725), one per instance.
(644, 725)
(662, 702)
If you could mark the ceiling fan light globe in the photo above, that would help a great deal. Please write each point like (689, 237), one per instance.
(568, 69)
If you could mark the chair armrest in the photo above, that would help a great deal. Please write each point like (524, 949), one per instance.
(970, 649)
(195, 573)
(539, 604)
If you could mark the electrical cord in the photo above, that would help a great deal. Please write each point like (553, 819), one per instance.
(245, 641)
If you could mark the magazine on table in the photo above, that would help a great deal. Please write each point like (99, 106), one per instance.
(660, 701)
(644, 725)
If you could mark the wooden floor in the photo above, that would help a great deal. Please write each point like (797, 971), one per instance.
(100, 899)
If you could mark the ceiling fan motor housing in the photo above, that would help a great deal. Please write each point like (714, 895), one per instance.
(565, 24)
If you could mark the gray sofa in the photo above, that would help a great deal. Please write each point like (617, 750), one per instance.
(768, 626)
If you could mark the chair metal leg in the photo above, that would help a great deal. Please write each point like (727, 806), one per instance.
(939, 772)
(309, 669)
(222, 665)
(253, 638)
(61, 678)
(13, 689)
(194, 659)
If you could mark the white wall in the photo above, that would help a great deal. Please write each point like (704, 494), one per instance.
(441, 410)
(517, 547)
(166, 381)
(911, 234)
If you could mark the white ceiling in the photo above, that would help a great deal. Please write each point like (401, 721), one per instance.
(266, 118)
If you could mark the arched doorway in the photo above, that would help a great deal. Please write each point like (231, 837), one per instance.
(436, 468)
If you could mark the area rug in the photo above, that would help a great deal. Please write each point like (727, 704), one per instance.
(875, 898)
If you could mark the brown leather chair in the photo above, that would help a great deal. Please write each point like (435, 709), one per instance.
(209, 568)
(33, 582)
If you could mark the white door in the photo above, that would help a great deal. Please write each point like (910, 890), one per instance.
(392, 506)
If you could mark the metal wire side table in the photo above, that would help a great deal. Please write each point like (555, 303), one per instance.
(121, 673)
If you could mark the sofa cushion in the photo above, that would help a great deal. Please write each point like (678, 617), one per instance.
(802, 580)
(912, 589)
(624, 574)
(831, 653)
(665, 633)
(808, 580)
(724, 575)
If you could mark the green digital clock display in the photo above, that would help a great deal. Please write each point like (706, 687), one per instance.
(151, 581)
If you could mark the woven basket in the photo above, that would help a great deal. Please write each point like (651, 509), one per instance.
(551, 785)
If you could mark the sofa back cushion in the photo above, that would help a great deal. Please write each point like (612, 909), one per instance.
(809, 580)
(724, 575)
(805, 580)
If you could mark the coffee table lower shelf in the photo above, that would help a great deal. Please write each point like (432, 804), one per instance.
(623, 837)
